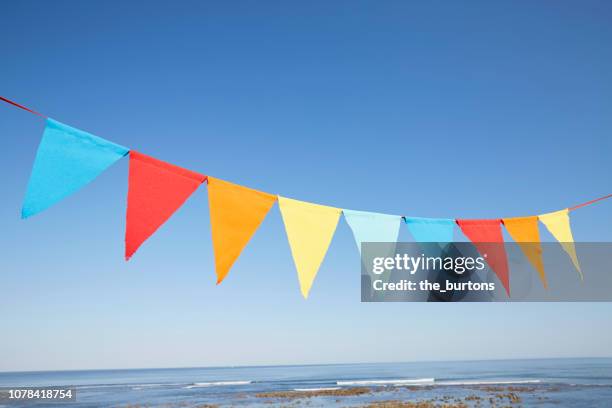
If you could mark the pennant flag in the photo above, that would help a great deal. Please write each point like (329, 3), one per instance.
(558, 223)
(372, 227)
(235, 214)
(524, 230)
(310, 229)
(67, 159)
(432, 234)
(488, 239)
(431, 229)
(156, 189)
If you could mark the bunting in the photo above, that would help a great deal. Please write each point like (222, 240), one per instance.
(310, 229)
(156, 189)
(488, 239)
(235, 214)
(558, 223)
(437, 230)
(372, 227)
(524, 230)
(67, 159)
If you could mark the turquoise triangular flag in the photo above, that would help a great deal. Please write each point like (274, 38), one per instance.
(431, 229)
(372, 227)
(66, 160)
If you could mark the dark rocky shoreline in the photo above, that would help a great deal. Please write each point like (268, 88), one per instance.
(481, 397)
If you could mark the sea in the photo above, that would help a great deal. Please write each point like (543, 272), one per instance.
(512, 383)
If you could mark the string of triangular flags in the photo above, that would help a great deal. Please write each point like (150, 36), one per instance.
(68, 158)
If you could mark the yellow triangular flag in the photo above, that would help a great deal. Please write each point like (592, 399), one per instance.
(558, 224)
(310, 229)
(235, 214)
(524, 231)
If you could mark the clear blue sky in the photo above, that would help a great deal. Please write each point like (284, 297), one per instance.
(442, 109)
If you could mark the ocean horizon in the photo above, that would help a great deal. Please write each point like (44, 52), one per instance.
(306, 364)
(547, 382)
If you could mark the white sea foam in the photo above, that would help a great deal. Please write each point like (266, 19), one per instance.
(133, 386)
(154, 385)
(86, 387)
(217, 384)
(492, 382)
(401, 381)
(317, 389)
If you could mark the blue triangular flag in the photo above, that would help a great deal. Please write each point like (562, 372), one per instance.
(431, 229)
(67, 159)
(372, 227)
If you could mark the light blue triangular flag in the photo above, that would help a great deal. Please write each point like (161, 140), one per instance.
(67, 159)
(431, 229)
(372, 227)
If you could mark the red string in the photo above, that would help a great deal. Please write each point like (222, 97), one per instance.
(589, 202)
(21, 106)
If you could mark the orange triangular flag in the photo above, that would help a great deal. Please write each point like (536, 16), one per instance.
(235, 214)
(524, 230)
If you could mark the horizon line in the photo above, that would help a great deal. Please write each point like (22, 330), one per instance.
(307, 364)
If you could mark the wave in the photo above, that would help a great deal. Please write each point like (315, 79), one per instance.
(432, 381)
(154, 385)
(317, 389)
(401, 381)
(126, 385)
(93, 386)
(492, 382)
(217, 384)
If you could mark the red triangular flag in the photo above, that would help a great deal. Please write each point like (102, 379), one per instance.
(488, 239)
(156, 189)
